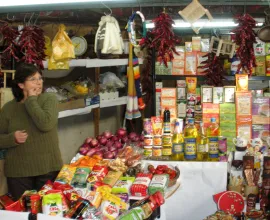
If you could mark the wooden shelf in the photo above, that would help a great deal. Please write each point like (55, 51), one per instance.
(201, 77)
(88, 109)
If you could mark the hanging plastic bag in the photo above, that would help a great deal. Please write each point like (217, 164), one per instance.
(58, 65)
(62, 47)
(110, 79)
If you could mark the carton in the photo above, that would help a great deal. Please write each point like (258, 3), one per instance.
(178, 63)
(168, 93)
(261, 110)
(196, 44)
(210, 108)
(261, 131)
(227, 108)
(243, 107)
(260, 69)
(244, 130)
(190, 63)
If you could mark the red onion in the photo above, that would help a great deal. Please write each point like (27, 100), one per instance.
(107, 134)
(142, 137)
(88, 140)
(109, 143)
(121, 132)
(83, 150)
(91, 152)
(124, 139)
(108, 155)
(103, 141)
(118, 144)
(115, 152)
(94, 143)
(98, 137)
(135, 139)
(112, 148)
(98, 153)
(132, 135)
(114, 138)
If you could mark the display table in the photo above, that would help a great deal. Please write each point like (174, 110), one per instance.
(199, 182)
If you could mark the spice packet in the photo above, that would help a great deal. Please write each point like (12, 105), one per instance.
(112, 177)
(52, 205)
(123, 185)
(191, 84)
(66, 174)
(65, 203)
(157, 124)
(48, 186)
(80, 177)
(241, 82)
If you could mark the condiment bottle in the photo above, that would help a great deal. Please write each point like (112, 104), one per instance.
(178, 141)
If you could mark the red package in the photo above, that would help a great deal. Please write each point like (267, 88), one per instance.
(15, 207)
(140, 185)
(98, 173)
(48, 186)
(68, 191)
(5, 200)
(65, 203)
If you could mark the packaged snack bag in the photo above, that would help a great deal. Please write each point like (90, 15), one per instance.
(159, 182)
(80, 177)
(123, 185)
(66, 174)
(5, 200)
(52, 205)
(112, 177)
(191, 84)
(140, 185)
(48, 186)
(241, 82)
(65, 203)
(98, 173)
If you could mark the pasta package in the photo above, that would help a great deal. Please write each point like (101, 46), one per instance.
(191, 84)
(241, 82)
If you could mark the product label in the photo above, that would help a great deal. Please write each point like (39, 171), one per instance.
(157, 152)
(190, 148)
(147, 152)
(213, 147)
(202, 148)
(167, 127)
(167, 140)
(178, 148)
(142, 180)
(167, 151)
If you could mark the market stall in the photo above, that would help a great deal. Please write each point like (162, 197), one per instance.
(190, 138)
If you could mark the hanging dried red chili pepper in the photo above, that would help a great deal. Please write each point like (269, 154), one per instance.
(245, 38)
(32, 43)
(163, 40)
(214, 70)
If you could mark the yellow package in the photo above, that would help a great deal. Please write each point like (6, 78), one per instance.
(62, 47)
(157, 124)
(60, 65)
(241, 82)
(66, 174)
(48, 46)
(191, 84)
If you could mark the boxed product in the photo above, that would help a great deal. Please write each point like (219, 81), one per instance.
(244, 130)
(205, 45)
(181, 83)
(188, 46)
(168, 93)
(259, 47)
(190, 111)
(161, 69)
(181, 93)
(178, 63)
(261, 131)
(168, 102)
(243, 106)
(181, 108)
(260, 69)
(227, 108)
(196, 44)
(207, 118)
(191, 63)
(210, 108)
(261, 110)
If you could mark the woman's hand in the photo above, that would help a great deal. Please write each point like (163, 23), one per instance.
(20, 137)
(34, 92)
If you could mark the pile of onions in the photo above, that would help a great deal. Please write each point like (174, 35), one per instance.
(107, 145)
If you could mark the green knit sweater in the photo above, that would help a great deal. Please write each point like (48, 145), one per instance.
(40, 153)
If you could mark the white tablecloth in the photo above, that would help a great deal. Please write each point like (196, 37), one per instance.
(9, 215)
(199, 182)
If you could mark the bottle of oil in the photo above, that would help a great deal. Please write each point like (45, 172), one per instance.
(190, 136)
(202, 144)
(178, 141)
(212, 135)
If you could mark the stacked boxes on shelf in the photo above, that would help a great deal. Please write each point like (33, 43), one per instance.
(181, 99)
(210, 110)
(159, 86)
(227, 120)
(168, 100)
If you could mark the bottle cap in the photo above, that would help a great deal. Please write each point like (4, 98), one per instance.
(191, 120)
(213, 119)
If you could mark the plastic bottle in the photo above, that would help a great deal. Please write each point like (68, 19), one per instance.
(212, 135)
(190, 135)
(202, 144)
(178, 141)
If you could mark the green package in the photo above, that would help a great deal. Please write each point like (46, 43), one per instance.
(227, 108)
(123, 185)
(80, 177)
(52, 204)
(225, 117)
(159, 182)
(133, 214)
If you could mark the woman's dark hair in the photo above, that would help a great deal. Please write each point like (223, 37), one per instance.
(23, 71)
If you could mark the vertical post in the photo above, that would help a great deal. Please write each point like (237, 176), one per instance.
(96, 111)
(154, 82)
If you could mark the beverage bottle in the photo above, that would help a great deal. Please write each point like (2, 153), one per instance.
(190, 135)
(212, 136)
(178, 141)
(167, 121)
(202, 144)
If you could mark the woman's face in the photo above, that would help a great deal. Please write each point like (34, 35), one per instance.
(33, 82)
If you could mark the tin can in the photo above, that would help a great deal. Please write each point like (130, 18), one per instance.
(157, 151)
(167, 140)
(148, 140)
(147, 151)
(166, 151)
(157, 140)
(147, 126)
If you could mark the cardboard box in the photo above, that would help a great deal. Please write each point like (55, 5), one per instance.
(261, 131)
(227, 118)
(207, 118)
(168, 93)
(181, 93)
(190, 63)
(181, 83)
(259, 47)
(178, 63)
(260, 69)
(168, 102)
(244, 130)
(161, 69)
(196, 44)
(227, 108)
(243, 104)
(73, 104)
(210, 108)
(181, 109)
(261, 110)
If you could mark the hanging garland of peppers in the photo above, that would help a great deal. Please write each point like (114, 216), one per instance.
(214, 70)
(245, 38)
(163, 40)
(28, 45)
